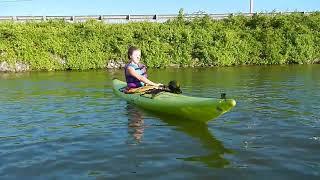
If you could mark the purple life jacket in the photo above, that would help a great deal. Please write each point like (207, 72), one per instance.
(133, 82)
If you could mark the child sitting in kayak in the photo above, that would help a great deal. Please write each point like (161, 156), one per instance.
(135, 72)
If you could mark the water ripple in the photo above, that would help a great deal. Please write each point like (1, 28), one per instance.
(61, 125)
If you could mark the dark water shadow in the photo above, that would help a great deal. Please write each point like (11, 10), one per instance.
(194, 129)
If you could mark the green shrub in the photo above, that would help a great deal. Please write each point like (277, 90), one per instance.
(237, 40)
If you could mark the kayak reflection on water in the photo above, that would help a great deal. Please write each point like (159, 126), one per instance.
(194, 129)
(200, 131)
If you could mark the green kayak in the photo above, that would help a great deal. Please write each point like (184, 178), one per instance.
(177, 105)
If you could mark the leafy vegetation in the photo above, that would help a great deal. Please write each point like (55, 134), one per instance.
(237, 40)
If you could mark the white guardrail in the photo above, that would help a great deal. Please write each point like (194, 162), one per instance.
(129, 18)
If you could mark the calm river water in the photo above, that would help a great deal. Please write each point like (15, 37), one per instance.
(69, 125)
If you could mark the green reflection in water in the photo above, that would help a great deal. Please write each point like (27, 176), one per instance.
(194, 129)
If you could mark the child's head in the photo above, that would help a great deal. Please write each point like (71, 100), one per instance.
(134, 54)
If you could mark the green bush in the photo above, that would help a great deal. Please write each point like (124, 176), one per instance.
(237, 40)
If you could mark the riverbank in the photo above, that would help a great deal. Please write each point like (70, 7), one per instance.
(237, 40)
